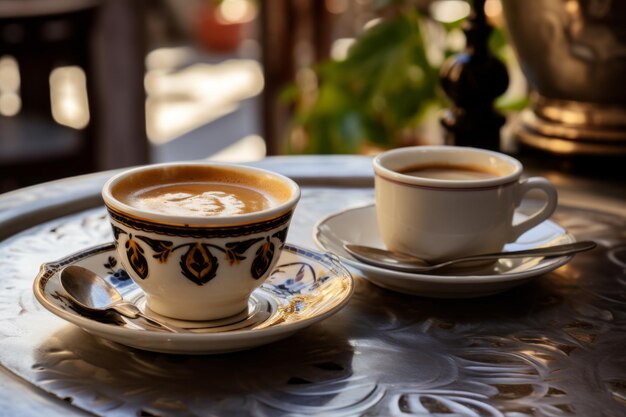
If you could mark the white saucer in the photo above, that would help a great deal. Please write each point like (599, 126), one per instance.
(305, 288)
(358, 225)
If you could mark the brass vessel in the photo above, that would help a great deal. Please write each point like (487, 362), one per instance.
(573, 53)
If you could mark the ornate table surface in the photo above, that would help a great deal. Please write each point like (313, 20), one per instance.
(552, 347)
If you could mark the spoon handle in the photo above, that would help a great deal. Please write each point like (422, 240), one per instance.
(548, 251)
(131, 311)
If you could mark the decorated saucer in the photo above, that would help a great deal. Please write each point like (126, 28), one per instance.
(303, 289)
(358, 225)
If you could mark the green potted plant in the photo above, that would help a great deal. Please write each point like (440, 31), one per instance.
(373, 98)
(376, 98)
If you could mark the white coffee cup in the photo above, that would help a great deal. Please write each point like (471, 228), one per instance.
(198, 266)
(436, 217)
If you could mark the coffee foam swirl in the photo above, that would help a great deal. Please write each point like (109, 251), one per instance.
(200, 191)
(200, 199)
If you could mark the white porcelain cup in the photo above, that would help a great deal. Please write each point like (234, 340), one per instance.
(438, 219)
(198, 267)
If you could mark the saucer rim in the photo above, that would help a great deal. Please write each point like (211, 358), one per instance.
(99, 328)
(364, 268)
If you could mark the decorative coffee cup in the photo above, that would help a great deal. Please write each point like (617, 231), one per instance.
(198, 238)
(443, 202)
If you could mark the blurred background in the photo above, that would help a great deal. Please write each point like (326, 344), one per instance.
(90, 85)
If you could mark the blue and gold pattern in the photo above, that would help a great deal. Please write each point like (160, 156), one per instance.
(198, 231)
(306, 286)
(198, 263)
(262, 259)
(136, 258)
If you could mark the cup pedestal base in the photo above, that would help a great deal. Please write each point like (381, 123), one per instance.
(190, 311)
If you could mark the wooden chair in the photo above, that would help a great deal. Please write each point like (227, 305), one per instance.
(104, 39)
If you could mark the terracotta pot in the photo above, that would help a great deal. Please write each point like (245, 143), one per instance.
(216, 34)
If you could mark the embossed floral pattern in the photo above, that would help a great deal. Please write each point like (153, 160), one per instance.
(551, 348)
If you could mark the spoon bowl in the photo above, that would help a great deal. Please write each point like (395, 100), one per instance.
(403, 262)
(91, 293)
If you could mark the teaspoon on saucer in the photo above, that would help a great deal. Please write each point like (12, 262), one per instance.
(408, 263)
(92, 293)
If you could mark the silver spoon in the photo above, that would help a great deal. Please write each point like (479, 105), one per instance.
(90, 292)
(408, 263)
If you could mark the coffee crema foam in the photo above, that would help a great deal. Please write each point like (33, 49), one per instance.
(201, 191)
(454, 172)
(199, 199)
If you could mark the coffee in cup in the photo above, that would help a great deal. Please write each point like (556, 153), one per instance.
(441, 171)
(198, 238)
(443, 202)
(200, 191)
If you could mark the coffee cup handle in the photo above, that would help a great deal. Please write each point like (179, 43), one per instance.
(526, 185)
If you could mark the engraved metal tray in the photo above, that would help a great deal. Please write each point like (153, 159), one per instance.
(552, 347)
